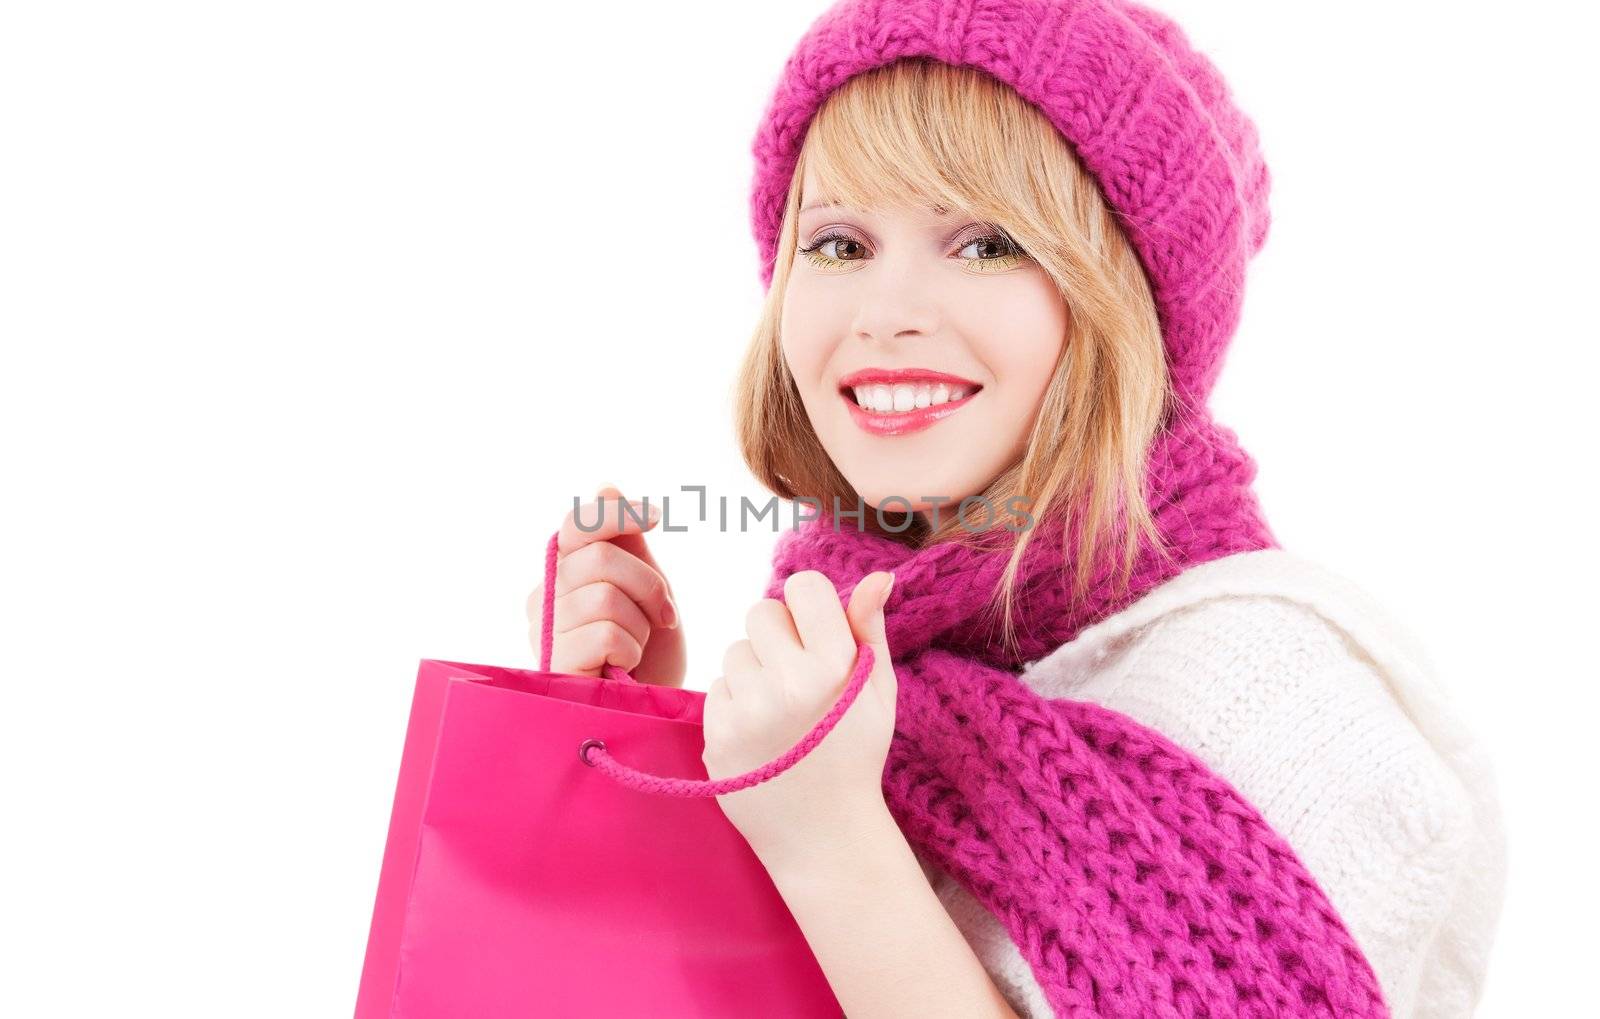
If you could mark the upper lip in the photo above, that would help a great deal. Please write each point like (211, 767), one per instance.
(889, 376)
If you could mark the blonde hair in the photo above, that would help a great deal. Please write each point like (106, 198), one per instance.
(961, 139)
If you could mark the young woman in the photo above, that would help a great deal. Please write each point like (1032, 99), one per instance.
(1119, 753)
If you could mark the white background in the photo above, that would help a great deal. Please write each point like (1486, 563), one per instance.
(316, 316)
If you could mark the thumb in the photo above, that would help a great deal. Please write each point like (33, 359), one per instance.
(865, 611)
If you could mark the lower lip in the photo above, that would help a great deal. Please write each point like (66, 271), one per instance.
(906, 421)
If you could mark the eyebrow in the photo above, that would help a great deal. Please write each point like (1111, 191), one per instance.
(938, 210)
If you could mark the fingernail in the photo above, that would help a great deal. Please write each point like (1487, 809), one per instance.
(669, 614)
(886, 589)
(651, 514)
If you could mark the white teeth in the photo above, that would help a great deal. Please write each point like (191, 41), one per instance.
(902, 397)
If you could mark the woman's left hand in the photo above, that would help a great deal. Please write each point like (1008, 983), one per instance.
(775, 687)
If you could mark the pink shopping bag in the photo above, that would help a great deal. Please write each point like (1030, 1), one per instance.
(529, 872)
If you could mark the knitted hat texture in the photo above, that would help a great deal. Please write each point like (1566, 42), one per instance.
(1149, 117)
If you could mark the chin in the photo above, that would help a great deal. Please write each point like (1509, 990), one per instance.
(911, 493)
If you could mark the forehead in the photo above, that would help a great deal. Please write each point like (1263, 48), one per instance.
(813, 196)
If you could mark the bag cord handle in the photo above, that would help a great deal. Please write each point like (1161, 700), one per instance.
(593, 751)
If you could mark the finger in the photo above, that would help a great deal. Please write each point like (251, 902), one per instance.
(866, 608)
(622, 527)
(772, 634)
(604, 561)
(603, 518)
(739, 666)
(718, 690)
(600, 600)
(867, 626)
(740, 657)
(596, 645)
(633, 541)
(819, 617)
(718, 700)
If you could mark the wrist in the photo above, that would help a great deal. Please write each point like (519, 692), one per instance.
(851, 829)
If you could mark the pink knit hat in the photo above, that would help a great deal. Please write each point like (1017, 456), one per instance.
(1150, 118)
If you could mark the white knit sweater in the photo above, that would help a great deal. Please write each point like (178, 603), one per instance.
(1294, 685)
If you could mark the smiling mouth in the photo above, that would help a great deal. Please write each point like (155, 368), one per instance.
(911, 407)
(905, 398)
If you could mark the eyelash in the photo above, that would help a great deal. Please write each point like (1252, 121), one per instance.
(1014, 256)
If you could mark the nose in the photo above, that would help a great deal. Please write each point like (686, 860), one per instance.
(897, 304)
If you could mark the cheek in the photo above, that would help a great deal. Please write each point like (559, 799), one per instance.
(805, 334)
(1023, 333)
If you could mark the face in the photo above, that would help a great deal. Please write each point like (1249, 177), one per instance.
(922, 342)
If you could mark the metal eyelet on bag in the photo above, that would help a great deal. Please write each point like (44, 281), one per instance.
(583, 749)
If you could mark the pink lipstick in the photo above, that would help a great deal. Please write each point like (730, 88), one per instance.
(897, 401)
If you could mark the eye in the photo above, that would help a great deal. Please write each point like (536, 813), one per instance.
(1004, 253)
(847, 250)
(998, 252)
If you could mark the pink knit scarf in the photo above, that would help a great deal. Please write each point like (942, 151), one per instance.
(1135, 881)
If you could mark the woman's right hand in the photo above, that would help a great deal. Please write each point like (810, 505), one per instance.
(612, 605)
